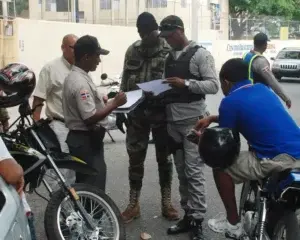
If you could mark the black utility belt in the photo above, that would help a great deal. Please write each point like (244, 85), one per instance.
(59, 119)
(95, 134)
(100, 129)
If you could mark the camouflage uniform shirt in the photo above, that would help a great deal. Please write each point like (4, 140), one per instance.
(143, 64)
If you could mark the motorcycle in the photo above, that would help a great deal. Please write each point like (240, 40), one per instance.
(270, 209)
(112, 87)
(79, 211)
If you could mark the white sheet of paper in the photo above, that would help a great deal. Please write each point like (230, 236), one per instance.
(155, 86)
(132, 98)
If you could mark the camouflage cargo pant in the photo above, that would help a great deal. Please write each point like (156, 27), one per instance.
(137, 139)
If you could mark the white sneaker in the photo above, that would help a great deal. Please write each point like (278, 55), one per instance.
(218, 224)
(236, 232)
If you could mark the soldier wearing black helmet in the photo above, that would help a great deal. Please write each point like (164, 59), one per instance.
(256, 113)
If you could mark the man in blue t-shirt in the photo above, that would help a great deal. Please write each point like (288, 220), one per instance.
(273, 136)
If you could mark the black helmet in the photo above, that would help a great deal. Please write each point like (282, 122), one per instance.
(18, 82)
(219, 147)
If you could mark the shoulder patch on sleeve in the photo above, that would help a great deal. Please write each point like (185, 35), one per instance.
(210, 60)
(266, 69)
(84, 94)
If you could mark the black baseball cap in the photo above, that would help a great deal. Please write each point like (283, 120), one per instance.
(89, 45)
(169, 24)
(261, 38)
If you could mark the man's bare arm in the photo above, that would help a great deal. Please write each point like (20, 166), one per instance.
(262, 67)
(37, 113)
(11, 171)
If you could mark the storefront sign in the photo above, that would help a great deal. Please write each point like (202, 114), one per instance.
(240, 49)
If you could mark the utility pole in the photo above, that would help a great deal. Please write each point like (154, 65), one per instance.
(5, 9)
(43, 8)
(195, 20)
(126, 13)
(94, 11)
(74, 10)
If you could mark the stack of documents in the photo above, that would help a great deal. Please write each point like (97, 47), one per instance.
(155, 86)
(134, 98)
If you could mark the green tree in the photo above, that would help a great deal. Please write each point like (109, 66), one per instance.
(241, 10)
(21, 5)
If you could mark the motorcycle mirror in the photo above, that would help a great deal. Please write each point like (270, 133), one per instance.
(104, 76)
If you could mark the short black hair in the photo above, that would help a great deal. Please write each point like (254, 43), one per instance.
(87, 45)
(234, 70)
(260, 39)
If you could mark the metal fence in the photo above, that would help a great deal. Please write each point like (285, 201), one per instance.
(245, 29)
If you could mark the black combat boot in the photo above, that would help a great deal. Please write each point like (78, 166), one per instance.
(182, 226)
(196, 232)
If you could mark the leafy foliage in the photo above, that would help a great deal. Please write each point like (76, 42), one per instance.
(21, 5)
(241, 10)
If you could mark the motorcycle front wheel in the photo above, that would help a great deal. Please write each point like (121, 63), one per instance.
(63, 222)
(288, 227)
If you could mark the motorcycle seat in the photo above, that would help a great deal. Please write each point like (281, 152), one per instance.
(281, 180)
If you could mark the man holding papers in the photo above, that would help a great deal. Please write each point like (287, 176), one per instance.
(190, 71)
(85, 111)
(144, 61)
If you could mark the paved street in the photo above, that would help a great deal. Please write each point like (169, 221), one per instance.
(151, 220)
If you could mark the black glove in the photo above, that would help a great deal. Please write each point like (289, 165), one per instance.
(111, 95)
(120, 120)
(193, 137)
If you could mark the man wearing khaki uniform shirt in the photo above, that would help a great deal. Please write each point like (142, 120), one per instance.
(49, 89)
(85, 111)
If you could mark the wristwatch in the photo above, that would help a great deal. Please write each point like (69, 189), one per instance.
(187, 83)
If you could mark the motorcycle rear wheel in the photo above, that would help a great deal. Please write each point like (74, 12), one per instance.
(61, 224)
(248, 197)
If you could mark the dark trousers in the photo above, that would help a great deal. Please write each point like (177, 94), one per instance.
(88, 146)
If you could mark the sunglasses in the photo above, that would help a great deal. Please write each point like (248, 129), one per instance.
(169, 27)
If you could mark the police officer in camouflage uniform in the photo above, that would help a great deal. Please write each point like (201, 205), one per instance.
(144, 61)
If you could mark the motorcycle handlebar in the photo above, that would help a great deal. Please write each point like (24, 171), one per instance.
(26, 110)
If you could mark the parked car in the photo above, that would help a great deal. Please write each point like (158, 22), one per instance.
(13, 221)
(287, 63)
